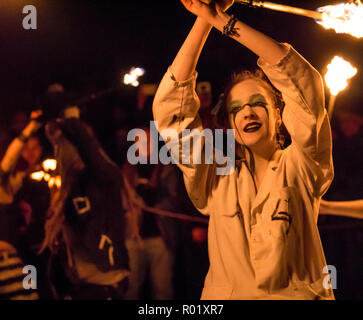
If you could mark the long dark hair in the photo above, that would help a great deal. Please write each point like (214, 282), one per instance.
(70, 167)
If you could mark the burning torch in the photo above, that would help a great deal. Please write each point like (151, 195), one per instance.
(130, 78)
(338, 72)
(343, 17)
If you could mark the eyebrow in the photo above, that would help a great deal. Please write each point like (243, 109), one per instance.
(257, 97)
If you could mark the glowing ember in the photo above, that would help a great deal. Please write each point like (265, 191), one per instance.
(49, 164)
(133, 75)
(343, 18)
(38, 176)
(339, 71)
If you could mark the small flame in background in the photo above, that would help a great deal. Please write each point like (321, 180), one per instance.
(133, 76)
(339, 71)
(37, 176)
(54, 181)
(343, 18)
(48, 165)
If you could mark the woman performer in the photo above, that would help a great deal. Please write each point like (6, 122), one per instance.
(263, 239)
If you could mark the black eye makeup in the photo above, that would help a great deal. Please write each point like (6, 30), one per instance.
(256, 100)
(235, 107)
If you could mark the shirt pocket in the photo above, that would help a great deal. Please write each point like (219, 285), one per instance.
(277, 213)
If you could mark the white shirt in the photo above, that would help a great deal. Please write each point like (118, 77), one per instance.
(263, 246)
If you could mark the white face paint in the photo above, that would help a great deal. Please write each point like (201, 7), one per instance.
(252, 114)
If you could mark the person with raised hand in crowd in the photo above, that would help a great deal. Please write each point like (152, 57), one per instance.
(15, 214)
(263, 239)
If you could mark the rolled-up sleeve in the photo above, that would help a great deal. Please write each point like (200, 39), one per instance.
(176, 103)
(305, 117)
(175, 107)
(10, 184)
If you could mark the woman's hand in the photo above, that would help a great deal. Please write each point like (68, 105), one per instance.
(205, 10)
(34, 125)
(35, 114)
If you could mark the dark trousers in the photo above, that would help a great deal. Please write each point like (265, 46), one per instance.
(87, 291)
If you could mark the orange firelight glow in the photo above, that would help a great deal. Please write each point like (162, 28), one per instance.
(343, 18)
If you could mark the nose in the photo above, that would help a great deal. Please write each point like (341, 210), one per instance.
(249, 113)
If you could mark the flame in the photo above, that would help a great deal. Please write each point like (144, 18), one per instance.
(343, 18)
(339, 71)
(49, 164)
(51, 182)
(54, 182)
(133, 75)
(38, 176)
(58, 181)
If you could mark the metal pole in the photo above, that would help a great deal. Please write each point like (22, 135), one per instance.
(331, 104)
(93, 96)
(280, 7)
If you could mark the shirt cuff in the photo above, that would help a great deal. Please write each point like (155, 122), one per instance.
(183, 83)
(280, 64)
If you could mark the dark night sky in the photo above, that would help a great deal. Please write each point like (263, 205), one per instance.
(87, 45)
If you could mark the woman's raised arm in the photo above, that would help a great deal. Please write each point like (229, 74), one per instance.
(265, 47)
(16, 146)
(187, 58)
